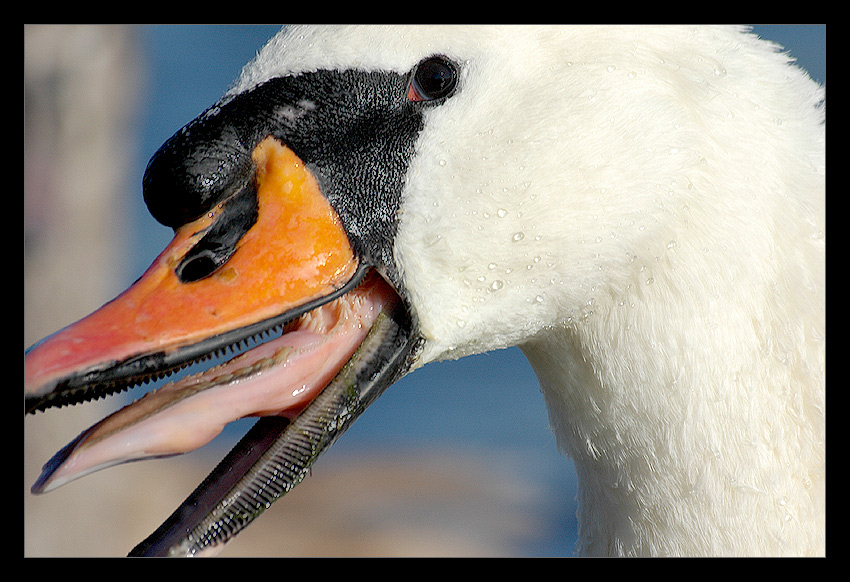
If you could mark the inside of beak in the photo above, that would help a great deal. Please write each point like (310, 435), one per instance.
(293, 268)
(278, 378)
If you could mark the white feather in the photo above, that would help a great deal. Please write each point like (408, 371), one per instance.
(641, 210)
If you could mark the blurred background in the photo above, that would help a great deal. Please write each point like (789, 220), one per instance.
(457, 459)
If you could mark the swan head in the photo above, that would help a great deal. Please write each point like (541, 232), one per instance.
(397, 196)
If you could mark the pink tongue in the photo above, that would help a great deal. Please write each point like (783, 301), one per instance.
(280, 377)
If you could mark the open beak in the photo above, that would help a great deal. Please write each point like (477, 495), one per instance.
(330, 336)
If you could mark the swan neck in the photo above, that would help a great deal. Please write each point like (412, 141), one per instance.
(655, 429)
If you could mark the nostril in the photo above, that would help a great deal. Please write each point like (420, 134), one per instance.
(220, 240)
(196, 267)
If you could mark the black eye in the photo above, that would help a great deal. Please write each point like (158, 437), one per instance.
(433, 78)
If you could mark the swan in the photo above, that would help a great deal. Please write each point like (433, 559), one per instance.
(639, 209)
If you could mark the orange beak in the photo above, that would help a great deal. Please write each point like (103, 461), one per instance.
(293, 268)
(261, 256)
(296, 253)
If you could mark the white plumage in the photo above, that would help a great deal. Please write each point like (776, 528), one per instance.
(641, 210)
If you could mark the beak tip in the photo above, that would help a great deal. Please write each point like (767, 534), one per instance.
(43, 483)
(56, 472)
(40, 486)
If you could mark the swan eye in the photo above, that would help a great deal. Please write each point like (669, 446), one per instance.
(433, 78)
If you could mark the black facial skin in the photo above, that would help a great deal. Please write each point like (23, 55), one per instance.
(356, 131)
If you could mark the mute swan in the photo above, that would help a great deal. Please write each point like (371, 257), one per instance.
(690, 462)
